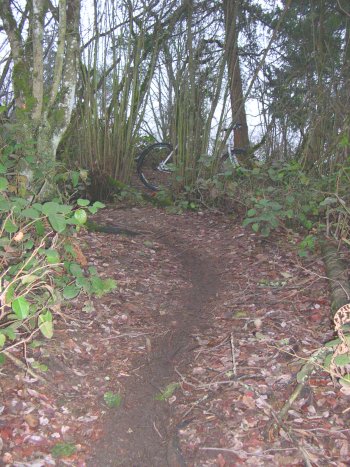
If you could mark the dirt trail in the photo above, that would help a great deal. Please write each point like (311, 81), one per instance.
(142, 432)
(227, 315)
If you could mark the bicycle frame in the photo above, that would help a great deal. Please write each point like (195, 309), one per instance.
(162, 165)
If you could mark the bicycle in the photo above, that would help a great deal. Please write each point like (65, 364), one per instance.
(154, 166)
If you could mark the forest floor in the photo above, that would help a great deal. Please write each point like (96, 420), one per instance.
(202, 339)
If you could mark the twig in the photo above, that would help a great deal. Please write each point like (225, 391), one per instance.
(234, 363)
(23, 366)
(303, 377)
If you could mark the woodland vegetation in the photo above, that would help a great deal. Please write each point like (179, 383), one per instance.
(85, 86)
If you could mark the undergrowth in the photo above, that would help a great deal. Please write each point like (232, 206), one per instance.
(41, 264)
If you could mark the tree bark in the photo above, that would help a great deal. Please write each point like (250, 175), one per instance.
(43, 122)
(241, 136)
(336, 271)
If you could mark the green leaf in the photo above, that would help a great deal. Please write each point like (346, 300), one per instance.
(80, 216)
(30, 213)
(39, 366)
(75, 270)
(256, 227)
(3, 183)
(2, 358)
(52, 256)
(75, 178)
(4, 204)
(10, 227)
(52, 208)
(21, 307)
(10, 293)
(345, 380)
(332, 343)
(249, 221)
(40, 228)
(167, 392)
(84, 283)
(98, 205)
(101, 287)
(327, 361)
(112, 400)
(2, 340)
(251, 212)
(58, 222)
(63, 450)
(29, 245)
(70, 291)
(45, 324)
(83, 202)
(342, 360)
(10, 332)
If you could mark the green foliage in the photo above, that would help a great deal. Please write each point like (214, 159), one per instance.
(307, 245)
(63, 450)
(265, 216)
(283, 195)
(166, 393)
(112, 400)
(38, 264)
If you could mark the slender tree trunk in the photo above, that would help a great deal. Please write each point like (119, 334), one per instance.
(241, 136)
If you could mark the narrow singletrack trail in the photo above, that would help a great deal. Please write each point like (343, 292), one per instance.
(142, 432)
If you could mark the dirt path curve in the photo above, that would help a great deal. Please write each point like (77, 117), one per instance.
(142, 433)
(225, 314)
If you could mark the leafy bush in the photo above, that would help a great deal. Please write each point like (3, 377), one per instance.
(39, 262)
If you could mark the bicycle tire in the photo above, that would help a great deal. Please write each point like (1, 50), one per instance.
(147, 166)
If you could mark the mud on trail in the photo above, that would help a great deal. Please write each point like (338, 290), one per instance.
(224, 314)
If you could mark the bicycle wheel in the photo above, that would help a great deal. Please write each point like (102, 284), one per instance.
(153, 174)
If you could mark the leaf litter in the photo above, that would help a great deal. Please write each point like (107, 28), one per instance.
(236, 362)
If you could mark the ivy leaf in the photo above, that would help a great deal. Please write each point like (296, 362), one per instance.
(21, 307)
(45, 324)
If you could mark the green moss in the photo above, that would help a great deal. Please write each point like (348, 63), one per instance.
(22, 86)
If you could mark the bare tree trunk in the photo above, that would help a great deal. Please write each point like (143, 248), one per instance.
(241, 137)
